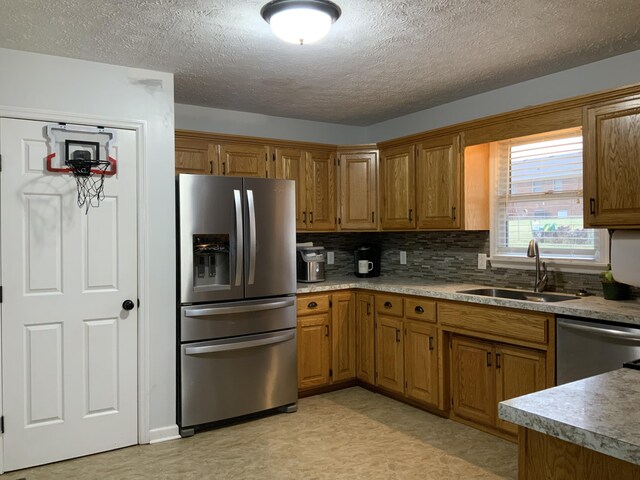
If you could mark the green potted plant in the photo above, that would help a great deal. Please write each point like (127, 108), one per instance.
(613, 290)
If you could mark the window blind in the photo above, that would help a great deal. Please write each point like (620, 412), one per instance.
(539, 196)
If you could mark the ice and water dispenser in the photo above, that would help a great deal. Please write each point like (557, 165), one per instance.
(210, 261)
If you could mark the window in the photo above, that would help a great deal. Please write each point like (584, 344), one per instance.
(538, 194)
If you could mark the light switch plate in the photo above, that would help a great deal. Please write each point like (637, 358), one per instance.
(403, 257)
(330, 258)
(482, 261)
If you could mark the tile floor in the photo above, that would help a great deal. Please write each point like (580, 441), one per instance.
(347, 434)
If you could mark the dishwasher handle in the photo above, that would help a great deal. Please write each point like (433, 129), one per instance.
(602, 332)
(225, 347)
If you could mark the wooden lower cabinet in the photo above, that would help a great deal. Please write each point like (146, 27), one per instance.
(343, 337)
(484, 373)
(365, 338)
(313, 350)
(390, 353)
(519, 371)
(421, 361)
(473, 380)
(326, 339)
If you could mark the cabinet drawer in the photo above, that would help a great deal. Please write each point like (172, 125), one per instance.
(418, 309)
(310, 304)
(389, 305)
(529, 327)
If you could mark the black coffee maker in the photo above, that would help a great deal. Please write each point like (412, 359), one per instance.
(366, 261)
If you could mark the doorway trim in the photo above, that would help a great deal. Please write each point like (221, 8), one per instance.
(140, 127)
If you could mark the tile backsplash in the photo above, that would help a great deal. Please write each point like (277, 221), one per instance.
(441, 256)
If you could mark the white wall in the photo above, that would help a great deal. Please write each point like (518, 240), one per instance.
(613, 72)
(189, 117)
(36, 83)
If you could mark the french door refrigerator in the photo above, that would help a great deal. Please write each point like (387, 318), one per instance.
(236, 323)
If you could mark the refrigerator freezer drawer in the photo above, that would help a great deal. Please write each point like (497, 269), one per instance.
(228, 378)
(231, 319)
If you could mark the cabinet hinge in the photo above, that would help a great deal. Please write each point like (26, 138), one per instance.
(330, 303)
(2, 424)
(331, 372)
(406, 384)
(0, 294)
(273, 157)
(339, 221)
(450, 344)
(338, 162)
(452, 400)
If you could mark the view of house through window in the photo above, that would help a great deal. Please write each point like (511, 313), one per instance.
(538, 188)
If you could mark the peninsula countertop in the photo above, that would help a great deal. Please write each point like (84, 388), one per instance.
(591, 307)
(599, 413)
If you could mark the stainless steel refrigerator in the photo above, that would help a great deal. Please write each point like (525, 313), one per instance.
(236, 298)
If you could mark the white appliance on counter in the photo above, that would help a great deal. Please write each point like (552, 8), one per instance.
(625, 256)
(236, 346)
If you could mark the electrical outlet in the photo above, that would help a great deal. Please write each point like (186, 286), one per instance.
(403, 257)
(330, 258)
(482, 261)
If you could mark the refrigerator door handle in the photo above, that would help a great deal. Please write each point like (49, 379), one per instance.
(240, 345)
(252, 237)
(239, 237)
(208, 312)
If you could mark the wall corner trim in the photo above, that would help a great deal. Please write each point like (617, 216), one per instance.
(164, 434)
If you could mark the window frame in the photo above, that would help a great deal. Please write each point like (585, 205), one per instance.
(521, 261)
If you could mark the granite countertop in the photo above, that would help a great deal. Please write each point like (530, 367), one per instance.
(600, 413)
(598, 308)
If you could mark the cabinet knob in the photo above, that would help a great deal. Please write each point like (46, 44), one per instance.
(419, 309)
(312, 305)
(387, 305)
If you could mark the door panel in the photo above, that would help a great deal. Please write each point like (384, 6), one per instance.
(421, 362)
(243, 160)
(313, 351)
(291, 164)
(69, 350)
(438, 183)
(194, 156)
(365, 333)
(358, 191)
(270, 237)
(397, 170)
(321, 203)
(343, 337)
(390, 353)
(473, 380)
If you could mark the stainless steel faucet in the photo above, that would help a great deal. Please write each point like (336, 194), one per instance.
(534, 251)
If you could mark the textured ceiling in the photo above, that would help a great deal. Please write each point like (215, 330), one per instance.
(382, 59)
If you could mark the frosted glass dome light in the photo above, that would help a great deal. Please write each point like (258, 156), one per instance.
(298, 21)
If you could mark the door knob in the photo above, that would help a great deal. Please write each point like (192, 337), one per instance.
(128, 305)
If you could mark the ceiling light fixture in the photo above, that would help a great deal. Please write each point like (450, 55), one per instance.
(300, 21)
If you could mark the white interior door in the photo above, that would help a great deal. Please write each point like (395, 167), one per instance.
(69, 349)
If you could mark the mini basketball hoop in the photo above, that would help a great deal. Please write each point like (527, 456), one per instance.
(81, 149)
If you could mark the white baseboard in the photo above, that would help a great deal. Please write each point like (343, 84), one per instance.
(164, 434)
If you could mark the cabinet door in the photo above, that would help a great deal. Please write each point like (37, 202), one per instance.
(390, 353)
(438, 183)
(365, 335)
(313, 351)
(357, 195)
(421, 361)
(519, 371)
(321, 203)
(612, 164)
(343, 337)
(194, 156)
(243, 160)
(291, 164)
(473, 380)
(397, 186)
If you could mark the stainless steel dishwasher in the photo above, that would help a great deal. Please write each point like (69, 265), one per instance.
(587, 347)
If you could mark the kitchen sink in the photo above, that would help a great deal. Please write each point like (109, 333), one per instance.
(519, 295)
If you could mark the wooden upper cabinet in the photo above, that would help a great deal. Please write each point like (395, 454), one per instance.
(612, 164)
(320, 183)
(343, 337)
(291, 164)
(357, 195)
(519, 371)
(438, 183)
(194, 156)
(239, 160)
(397, 187)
